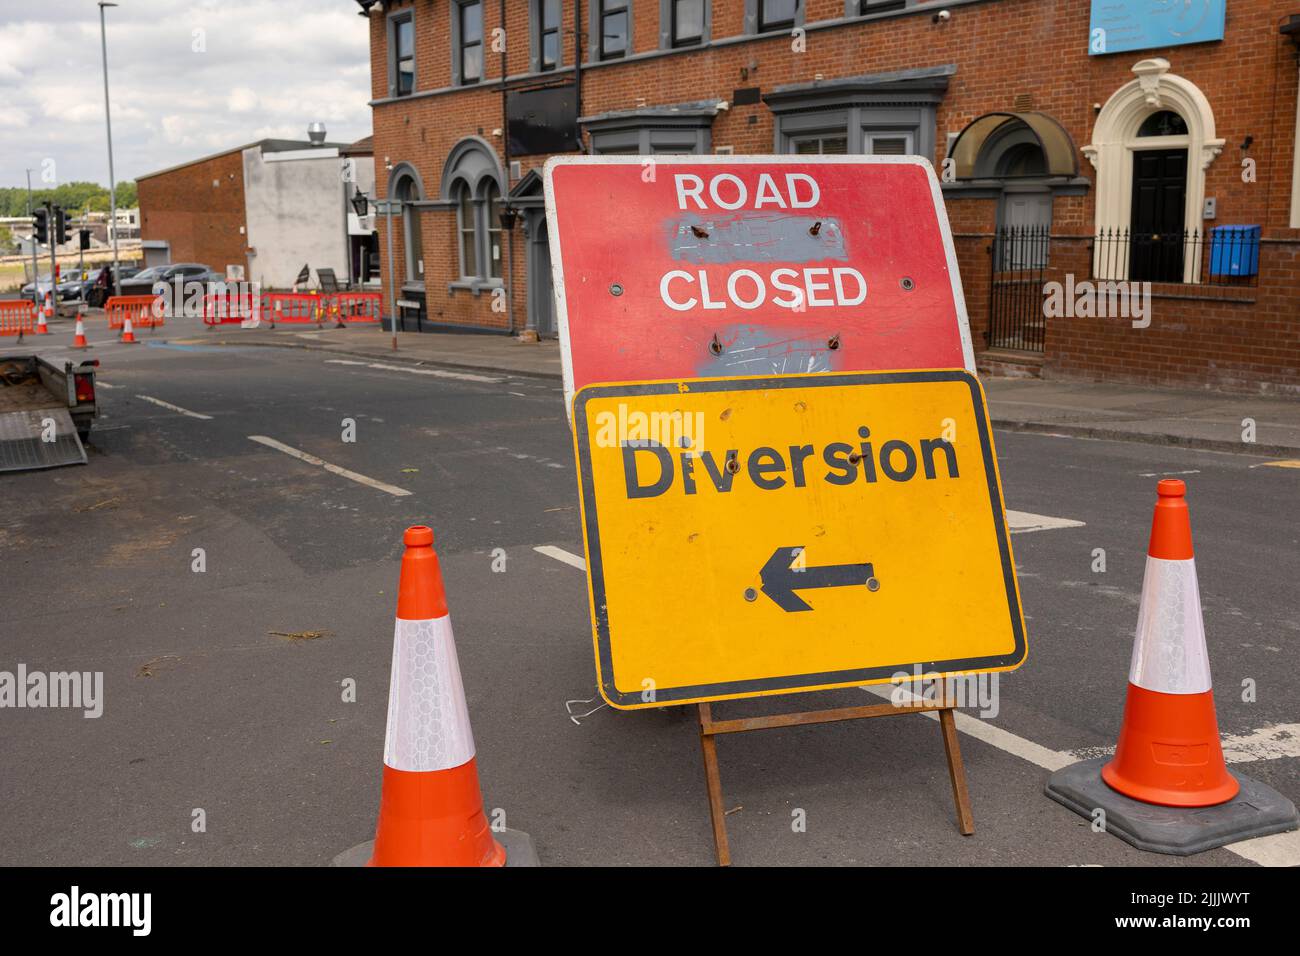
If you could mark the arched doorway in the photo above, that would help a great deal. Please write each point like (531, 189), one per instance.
(1157, 224)
(1151, 145)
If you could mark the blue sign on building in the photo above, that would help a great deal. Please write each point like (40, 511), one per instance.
(1121, 25)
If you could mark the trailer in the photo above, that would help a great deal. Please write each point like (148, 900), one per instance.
(46, 412)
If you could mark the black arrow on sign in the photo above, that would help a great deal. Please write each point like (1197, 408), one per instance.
(780, 581)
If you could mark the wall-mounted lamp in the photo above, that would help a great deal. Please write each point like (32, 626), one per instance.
(361, 204)
(509, 216)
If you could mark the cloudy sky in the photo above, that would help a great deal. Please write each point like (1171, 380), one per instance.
(187, 78)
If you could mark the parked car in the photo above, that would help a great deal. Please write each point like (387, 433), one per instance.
(67, 288)
(43, 282)
(142, 283)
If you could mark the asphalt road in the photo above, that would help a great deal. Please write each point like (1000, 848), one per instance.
(206, 709)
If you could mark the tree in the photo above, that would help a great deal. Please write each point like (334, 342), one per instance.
(74, 197)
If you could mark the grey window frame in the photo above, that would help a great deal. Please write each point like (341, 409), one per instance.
(906, 101)
(463, 275)
(535, 34)
(484, 209)
(473, 161)
(652, 141)
(861, 8)
(667, 14)
(456, 8)
(686, 129)
(412, 217)
(481, 230)
(596, 44)
(396, 17)
(753, 9)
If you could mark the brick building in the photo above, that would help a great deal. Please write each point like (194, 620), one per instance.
(1079, 140)
(262, 210)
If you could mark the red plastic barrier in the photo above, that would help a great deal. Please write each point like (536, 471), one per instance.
(230, 308)
(348, 308)
(292, 307)
(140, 309)
(17, 317)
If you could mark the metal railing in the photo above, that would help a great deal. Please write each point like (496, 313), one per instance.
(1226, 256)
(1020, 255)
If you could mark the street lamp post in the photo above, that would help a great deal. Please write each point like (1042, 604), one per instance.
(108, 122)
(392, 276)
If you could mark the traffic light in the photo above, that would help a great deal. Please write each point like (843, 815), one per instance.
(60, 226)
(84, 239)
(41, 231)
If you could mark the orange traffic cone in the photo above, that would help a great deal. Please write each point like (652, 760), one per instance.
(48, 310)
(79, 337)
(128, 334)
(1168, 751)
(41, 327)
(431, 810)
(1167, 789)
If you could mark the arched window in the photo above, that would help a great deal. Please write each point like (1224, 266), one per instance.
(1163, 123)
(467, 226)
(492, 217)
(471, 182)
(408, 193)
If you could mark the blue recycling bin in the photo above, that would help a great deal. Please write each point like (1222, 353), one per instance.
(1234, 250)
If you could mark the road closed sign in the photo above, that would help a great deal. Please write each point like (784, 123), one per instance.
(763, 535)
(703, 266)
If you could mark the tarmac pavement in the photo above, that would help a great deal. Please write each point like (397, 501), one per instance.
(217, 696)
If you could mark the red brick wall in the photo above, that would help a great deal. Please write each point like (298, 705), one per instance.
(1002, 49)
(202, 221)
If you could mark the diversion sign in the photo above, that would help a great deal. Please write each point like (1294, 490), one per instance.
(763, 535)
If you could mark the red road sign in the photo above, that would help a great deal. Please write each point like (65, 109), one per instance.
(698, 266)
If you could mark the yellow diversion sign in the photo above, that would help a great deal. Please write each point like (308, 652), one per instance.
(753, 536)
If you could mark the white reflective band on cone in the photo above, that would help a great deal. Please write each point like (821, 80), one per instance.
(1169, 654)
(428, 721)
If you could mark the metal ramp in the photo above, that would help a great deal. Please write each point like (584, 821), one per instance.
(22, 446)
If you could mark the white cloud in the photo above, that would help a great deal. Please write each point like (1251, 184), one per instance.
(241, 100)
(263, 68)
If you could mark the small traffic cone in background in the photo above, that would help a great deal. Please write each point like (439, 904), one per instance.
(79, 337)
(1167, 789)
(128, 334)
(430, 808)
(41, 327)
(1168, 751)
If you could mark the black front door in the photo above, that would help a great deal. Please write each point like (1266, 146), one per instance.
(1156, 233)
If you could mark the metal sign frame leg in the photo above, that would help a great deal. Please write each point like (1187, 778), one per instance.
(710, 728)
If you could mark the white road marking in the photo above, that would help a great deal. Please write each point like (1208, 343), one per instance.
(175, 408)
(1278, 740)
(332, 469)
(1168, 474)
(990, 734)
(1023, 521)
(559, 554)
(99, 384)
(1272, 742)
(412, 370)
(1280, 849)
